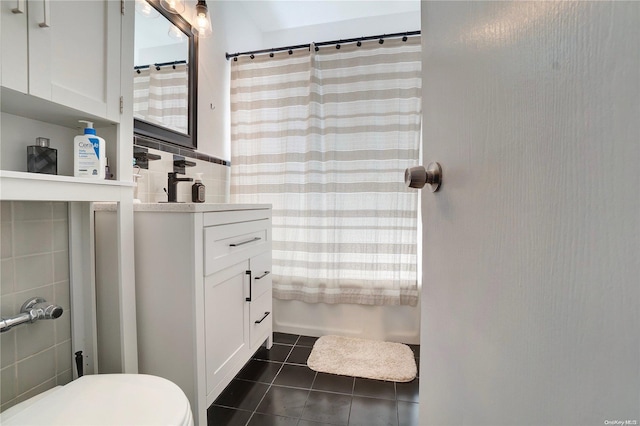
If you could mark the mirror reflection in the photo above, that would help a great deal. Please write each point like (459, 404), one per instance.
(161, 72)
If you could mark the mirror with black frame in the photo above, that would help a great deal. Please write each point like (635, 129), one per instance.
(165, 75)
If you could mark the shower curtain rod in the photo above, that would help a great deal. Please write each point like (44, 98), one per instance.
(161, 64)
(324, 43)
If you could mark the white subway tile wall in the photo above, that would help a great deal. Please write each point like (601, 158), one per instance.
(34, 261)
(215, 178)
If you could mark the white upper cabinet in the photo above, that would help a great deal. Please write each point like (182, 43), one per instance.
(62, 61)
(66, 52)
(14, 45)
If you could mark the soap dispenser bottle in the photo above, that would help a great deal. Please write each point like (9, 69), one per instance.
(197, 190)
(88, 154)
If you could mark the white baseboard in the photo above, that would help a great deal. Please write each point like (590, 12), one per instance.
(390, 323)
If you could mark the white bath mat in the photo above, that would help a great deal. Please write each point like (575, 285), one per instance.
(371, 359)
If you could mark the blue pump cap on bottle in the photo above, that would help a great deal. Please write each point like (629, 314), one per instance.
(88, 130)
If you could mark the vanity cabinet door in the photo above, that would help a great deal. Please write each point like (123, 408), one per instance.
(67, 52)
(75, 59)
(13, 25)
(226, 332)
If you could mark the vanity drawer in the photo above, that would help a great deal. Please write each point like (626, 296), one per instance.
(261, 318)
(226, 245)
(260, 266)
(235, 216)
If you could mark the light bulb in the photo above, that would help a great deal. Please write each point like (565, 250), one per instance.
(176, 33)
(145, 9)
(173, 6)
(203, 22)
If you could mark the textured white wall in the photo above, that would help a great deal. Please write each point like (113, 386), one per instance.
(231, 33)
(532, 245)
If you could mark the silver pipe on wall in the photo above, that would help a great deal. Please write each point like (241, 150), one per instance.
(34, 309)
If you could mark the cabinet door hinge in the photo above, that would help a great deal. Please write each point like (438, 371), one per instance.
(122, 7)
(121, 104)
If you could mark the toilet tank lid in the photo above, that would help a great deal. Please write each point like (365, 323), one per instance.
(108, 399)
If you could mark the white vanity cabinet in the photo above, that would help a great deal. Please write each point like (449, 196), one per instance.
(237, 293)
(203, 293)
(66, 52)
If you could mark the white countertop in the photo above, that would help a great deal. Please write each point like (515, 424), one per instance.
(182, 207)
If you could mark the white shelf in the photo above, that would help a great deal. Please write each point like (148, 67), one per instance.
(28, 106)
(22, 186)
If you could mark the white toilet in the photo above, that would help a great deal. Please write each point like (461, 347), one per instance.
(105, 399)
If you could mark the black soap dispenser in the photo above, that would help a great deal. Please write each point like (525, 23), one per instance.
(197, 190)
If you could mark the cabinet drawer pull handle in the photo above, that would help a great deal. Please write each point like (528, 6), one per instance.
(248, 299)
(19, 7)
(47, 15)
(244, 242)
(263, 275)
(266, 314)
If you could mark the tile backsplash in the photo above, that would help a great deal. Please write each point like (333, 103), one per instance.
(34, 261)
(153, 180)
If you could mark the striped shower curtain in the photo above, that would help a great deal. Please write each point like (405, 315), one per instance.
(161, 96)
(325, 136)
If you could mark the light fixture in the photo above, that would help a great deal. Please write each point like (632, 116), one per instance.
(203, 20)
(176, 33)
(145, 9)
(173, 6)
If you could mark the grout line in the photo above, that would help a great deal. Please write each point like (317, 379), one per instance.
(289, 353)
(353, 384)
(270, 385)
(395, 389)
(307, 398)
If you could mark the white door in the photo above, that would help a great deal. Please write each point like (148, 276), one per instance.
(74, 54)
(13, 32)
(532, 244)
(226, 331)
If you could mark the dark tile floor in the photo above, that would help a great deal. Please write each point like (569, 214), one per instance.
(277, 388)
